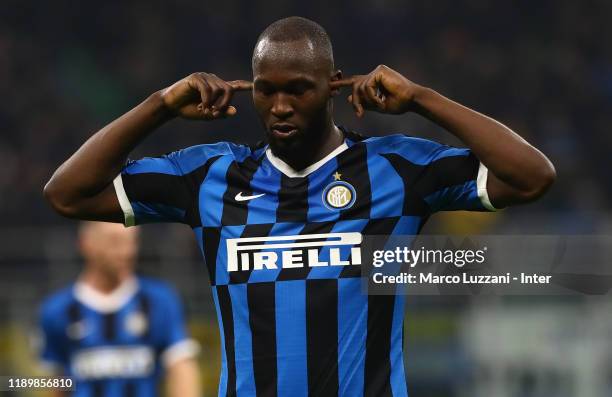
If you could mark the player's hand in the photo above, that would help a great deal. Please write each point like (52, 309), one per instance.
(203, 96)
(383, 90)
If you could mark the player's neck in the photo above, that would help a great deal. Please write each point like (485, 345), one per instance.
(331, 139)
(103, 282)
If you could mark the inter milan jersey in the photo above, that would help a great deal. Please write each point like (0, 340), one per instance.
(282, 251)
(114, 344)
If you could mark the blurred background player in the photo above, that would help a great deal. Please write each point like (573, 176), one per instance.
(114, 332)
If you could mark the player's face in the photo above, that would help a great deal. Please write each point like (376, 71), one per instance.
(291, 95)
(110, 247)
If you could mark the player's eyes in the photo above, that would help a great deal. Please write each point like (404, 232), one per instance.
(264, 89)
(298, 89)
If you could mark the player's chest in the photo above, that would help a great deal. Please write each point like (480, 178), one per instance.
(346, 188)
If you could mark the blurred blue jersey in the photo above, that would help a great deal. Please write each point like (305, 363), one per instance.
(282, 251)
(115, 344)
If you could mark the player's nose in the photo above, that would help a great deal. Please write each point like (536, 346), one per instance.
(281, 107)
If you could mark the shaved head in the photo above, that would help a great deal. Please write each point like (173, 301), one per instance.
(295, 38)
(109, 247)
(293, 65)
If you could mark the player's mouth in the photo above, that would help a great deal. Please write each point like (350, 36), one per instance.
(283, 130)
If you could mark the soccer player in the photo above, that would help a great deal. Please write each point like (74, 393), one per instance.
(115, 333)
(280, 224)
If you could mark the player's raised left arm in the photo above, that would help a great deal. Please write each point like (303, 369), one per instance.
(518, 172)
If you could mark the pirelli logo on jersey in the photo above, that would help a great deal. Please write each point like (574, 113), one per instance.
(114, 362)
(290, 252)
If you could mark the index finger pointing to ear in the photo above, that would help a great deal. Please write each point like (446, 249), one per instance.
(342, 83)
(241, 85)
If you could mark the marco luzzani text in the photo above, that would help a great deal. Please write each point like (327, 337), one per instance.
(456, 257)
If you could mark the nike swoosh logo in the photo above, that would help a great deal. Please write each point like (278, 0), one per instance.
(240, 197)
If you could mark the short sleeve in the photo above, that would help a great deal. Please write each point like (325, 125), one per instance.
(176, 344)
(454, 179)
(165, 188)
(443, 177)
(53, 355)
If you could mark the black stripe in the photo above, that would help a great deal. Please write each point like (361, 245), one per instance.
(254, 230)
(238, 178)
(422, 180)
(414, 204)
(97, 388)
(353, 168)
(262, 320)
(145, 308)
(225, 306)
(292, 200)
(129, 389)
(422, 223)
(446, 172)
(377, 378)
(300, 273)
(179, 191)
(322, 337)
(375, 227)
(73, 313)
(211, 236)
(109, 328)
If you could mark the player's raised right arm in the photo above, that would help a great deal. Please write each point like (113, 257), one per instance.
(82, 186)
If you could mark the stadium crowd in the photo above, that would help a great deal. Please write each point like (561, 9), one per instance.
(545, 69)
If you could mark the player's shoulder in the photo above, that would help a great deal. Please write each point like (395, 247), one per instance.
(57, 303)
(415, 149)
(184, 161)
(400, 140)
(217, 149)
(156, 289)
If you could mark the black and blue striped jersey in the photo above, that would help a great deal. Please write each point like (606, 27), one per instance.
(282, 251)
(114, 344)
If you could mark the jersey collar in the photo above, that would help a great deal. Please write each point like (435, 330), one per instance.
(291, 173)
(106, 303)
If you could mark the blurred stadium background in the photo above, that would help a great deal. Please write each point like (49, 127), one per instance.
(544, 68)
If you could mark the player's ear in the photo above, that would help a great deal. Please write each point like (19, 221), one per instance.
(336, 75)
